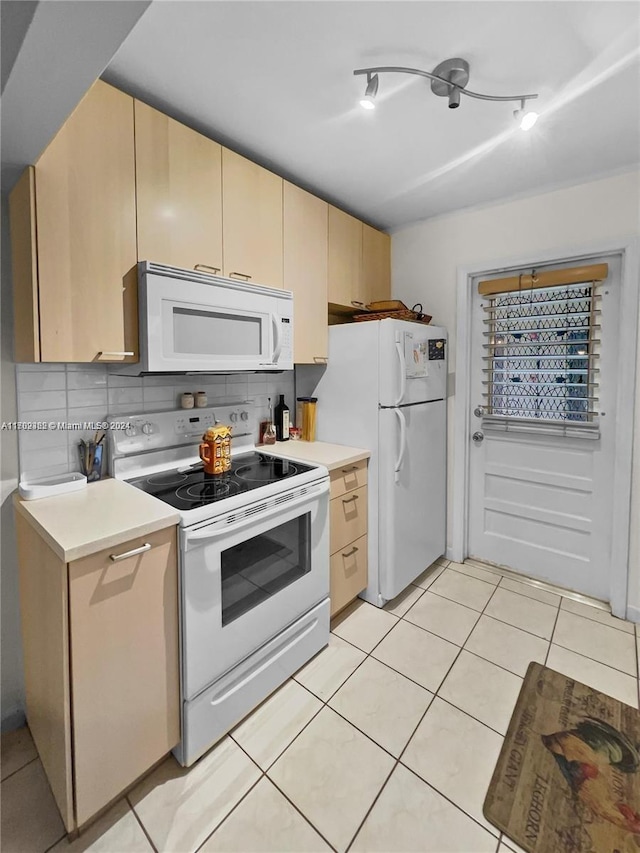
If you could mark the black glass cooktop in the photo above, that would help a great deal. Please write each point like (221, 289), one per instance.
(189, 488)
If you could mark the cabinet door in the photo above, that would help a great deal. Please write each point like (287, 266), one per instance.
(26, 319)
(305, 272)
(124, 665)
(348, 515)
(179, 193)
(345, 257)
(86, 222)
(349, 574)
(376, 264)
(251, 221)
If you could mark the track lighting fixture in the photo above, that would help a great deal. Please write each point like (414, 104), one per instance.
(368, 102)
(448, 79)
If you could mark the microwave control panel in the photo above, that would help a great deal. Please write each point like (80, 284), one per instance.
(286, 353)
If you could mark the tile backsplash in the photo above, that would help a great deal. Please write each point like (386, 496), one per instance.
(78, 393)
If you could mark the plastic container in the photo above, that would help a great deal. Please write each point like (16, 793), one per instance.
(47, 487)
(306, 417)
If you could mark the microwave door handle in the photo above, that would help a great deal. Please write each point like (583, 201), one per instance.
(403, 369)
(277, 338)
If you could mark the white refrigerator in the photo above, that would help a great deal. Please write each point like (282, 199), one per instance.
(384, 389)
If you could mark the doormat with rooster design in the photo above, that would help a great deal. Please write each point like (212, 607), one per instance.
(568, 775)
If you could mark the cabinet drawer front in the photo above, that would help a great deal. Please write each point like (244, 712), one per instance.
(124, 664)
(348, 518)
(348, 478)
(348, 574)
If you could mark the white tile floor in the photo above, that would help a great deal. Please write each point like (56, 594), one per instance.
(385, 741)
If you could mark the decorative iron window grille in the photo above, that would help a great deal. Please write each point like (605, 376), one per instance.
(541, 353)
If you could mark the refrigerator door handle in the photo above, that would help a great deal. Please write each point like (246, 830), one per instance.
(403, 443)
(403, 369)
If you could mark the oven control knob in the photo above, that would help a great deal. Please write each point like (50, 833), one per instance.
(130, 431)
(233, 417)
(147, 428)
(244, 416)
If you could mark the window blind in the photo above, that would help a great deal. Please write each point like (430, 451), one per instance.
(541, 349)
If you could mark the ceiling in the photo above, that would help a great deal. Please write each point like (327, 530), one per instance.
(274, 81)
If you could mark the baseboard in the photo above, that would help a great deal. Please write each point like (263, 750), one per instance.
(13, 720)
(633, 613)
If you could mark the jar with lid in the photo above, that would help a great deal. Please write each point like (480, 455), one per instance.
(201, 399)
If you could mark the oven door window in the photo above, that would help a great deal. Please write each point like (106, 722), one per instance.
(258, 568)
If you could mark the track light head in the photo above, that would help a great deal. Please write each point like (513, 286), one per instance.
(527, 118)
(454, 98)
(368, 102)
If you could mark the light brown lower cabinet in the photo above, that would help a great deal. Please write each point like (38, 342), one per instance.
(348, 574)
(348, 518)
(100, 641)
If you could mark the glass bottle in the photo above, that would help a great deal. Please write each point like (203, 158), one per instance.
(282, 420)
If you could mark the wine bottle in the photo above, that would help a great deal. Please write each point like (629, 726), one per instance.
(282, 420)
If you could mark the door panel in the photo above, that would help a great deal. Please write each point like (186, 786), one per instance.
(540, 503)
(401, 345)
(412, 509)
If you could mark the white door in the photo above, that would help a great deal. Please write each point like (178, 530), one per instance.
(540, 467)
(411, 488)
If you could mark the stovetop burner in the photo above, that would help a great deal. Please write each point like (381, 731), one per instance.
(263, 473)
(193, 488)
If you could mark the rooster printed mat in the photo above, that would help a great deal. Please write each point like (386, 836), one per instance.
(568, 775)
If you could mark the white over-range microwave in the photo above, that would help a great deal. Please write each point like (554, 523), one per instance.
(194, 321)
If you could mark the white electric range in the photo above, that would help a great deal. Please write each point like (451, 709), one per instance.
(254, 561)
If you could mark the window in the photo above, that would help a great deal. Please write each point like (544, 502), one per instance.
(541, 350)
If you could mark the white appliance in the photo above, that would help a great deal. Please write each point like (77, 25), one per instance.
(385, 389)
(254, 562)
(190, 320)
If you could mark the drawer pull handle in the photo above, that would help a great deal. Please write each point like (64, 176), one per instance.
(351, 552)
(240, 275)
(115, 557)
(115, 354)
(348, 470)
(350, 500)
(206, 267)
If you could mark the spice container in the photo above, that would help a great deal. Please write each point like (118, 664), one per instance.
(186, 400)
(201, 399)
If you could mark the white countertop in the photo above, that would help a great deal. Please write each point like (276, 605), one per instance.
(103, 515)
(317, 452)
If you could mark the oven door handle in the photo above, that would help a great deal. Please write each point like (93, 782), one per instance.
(219, 528)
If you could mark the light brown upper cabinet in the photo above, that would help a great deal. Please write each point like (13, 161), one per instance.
(305, 271)
(179, 193)
(24, 259)
(345, 258)
(376, 264)
(251, 221)
(86, 233)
